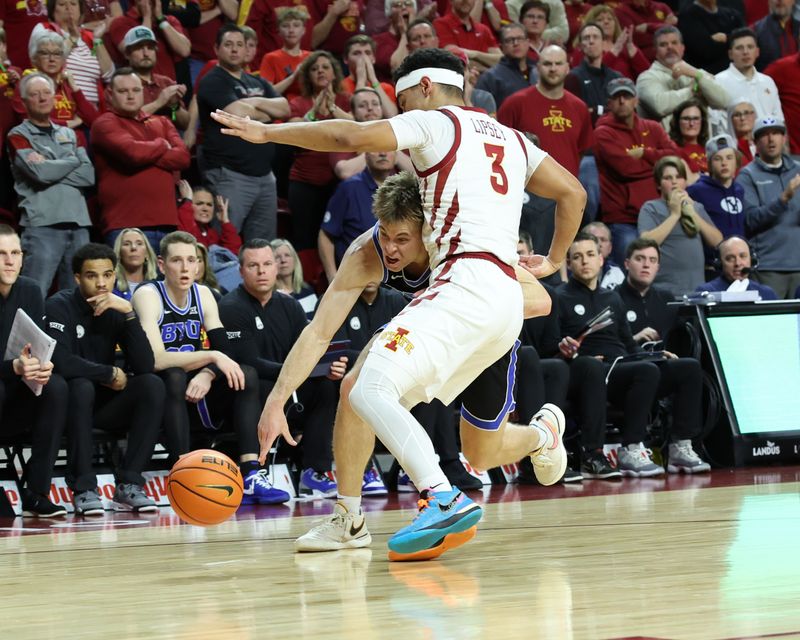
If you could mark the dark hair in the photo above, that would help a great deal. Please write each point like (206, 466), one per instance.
(508, 26)
(93, 251)
(7, 230)
(590, 24)
(741, 32)
(304, 72)
(439, 58)
(51, 8)
(358, 39)
(253, 243)
(675, 124)
(664, 31)
(121, 71)
(418, 21)
(362, 90)
(582, 236)
(228, 27)
(535, 4)
(642, 243)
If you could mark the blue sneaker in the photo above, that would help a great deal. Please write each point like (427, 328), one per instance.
(404, 484)
(319, 485)
(373, 484)
(258, 489)
(441, 514)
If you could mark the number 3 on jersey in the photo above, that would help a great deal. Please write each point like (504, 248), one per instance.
(498, 180)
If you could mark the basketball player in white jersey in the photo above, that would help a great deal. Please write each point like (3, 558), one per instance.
(473, 172)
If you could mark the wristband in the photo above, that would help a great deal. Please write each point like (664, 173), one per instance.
(131, 315)
(376, 85)
(310, 116)
(488, 5)
(163, 23)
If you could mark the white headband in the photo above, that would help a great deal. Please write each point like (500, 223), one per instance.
(434, 74)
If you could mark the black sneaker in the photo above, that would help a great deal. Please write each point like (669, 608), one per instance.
(458, 477)
(596, 465)
(571, 475)
(36, 506)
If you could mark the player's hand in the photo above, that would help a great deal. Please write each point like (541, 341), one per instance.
(240, 127)
(338, 369)
(231, 370)
(199, 386)
(648, 334)
(569, 347)
(271, 426)
(539, 266)
(105, 301)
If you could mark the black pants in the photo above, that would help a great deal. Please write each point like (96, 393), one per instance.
(539, 381)
(307, 203)
(631, 387)
(683, 380)
(239, 407)
(43, 417)
(138, 408)
(318, 397)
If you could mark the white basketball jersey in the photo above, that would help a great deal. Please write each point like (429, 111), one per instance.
(472, 171)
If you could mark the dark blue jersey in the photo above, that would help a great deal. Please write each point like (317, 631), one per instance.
(398, 280)
(181, 329)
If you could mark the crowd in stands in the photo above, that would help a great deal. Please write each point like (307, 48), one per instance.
(151, 239)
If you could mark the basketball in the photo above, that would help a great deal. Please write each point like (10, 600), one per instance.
(205, 487)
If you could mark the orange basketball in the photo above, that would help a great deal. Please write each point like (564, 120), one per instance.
(205, 487)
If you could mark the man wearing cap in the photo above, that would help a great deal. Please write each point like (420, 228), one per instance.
(722, 197)
(772, 208)
(162, 95)
(736, 264)
(626, 149)
(173, 43)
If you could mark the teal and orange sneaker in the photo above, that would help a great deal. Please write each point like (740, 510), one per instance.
(446, 520)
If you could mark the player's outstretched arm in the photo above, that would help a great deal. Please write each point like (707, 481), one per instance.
(328, 135)
(355, 272)
(551, 180)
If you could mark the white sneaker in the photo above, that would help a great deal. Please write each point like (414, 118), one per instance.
(636, 461)
(550, 460)
(683, 458)
(342, 530)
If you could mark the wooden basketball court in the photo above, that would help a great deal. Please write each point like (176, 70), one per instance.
(714, 557)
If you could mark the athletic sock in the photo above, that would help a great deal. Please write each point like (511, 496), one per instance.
(249, 467)
(544, 435)
(352, 504)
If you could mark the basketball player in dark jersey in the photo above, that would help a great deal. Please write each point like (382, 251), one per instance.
(175, 314)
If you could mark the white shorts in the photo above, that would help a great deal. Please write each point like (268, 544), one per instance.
(468, 318)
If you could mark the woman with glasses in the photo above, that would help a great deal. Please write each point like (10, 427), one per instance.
(742, 115)
(689, 130)
(87, 59)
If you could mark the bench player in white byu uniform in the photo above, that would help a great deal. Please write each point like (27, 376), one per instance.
(473, 172)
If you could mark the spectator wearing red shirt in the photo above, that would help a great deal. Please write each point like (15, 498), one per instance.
(335, 22)
(645, 17)
(391, 43)
(786, 74)
(458, 29)
(136, 157)
(280, 67)
(560, 119)
(173, 43)
(205, 216)
(311, 180)
(619, 51)
(689, 130)
(263, 16)
(359, 56)
(18, 18)
(626, 149)
(71, 108)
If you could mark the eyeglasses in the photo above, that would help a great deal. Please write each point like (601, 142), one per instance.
(515, 40)
(691, 119)
(50, 54)
(742, 114)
